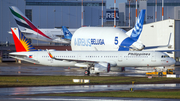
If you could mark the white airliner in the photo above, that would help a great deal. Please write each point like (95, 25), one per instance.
(32, 32)
(95, 61)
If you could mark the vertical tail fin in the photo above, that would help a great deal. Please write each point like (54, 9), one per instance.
(136, 32)
(21, 42)
(67, 33)
(23, 22)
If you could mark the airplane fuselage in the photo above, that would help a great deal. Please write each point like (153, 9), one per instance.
(51, 35)
(116, 59)
(102, 39)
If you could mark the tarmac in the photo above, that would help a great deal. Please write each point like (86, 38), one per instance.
(12, 68)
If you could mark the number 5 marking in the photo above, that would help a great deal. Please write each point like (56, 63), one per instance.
(116, 40)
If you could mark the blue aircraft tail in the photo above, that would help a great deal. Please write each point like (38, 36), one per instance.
(136, 32)
(67, 33)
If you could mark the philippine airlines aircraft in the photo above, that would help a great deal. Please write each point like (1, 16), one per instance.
(95, 61)
(32, 32)
(110, 38)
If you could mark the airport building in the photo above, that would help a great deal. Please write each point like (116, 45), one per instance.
(171, 10)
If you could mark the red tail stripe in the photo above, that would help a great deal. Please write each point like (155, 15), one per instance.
(34, 28)
(18, 45)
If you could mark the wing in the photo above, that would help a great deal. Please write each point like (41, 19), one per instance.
(24, 57)
(61, 59)
(168, 45)
(113, 63)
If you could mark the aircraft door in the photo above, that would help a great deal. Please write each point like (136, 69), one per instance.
(79, 56)
(120, 58)
(34, 56)
(153, 58)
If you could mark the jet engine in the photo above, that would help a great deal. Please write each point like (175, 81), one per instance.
(100, 68)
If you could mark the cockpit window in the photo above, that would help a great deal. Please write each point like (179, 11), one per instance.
(164, 56)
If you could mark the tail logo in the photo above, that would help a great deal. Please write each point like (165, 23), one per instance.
(67, 33)
(24, 22)
(21, 43)
(138, 26)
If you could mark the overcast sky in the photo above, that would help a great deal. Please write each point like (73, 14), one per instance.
(110, 3)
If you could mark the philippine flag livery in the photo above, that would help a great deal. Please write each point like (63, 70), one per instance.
(30, 56)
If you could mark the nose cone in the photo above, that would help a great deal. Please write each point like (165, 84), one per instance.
(172, 61)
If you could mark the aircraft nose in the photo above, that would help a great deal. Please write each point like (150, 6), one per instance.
(172, 61)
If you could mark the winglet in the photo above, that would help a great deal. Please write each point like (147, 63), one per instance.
(67, 33)
(136, 32)
(50, 55)
(169, 40)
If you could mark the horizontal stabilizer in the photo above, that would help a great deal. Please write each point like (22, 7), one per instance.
(153, 47)
(20, 57)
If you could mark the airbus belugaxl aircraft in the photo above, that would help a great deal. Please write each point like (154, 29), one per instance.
(110, 38)
(95, 61)
(32, 32)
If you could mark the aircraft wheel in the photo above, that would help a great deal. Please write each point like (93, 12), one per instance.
(160, 73)
(86, 72)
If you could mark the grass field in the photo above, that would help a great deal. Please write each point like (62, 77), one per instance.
(21, 81)
(136, 94)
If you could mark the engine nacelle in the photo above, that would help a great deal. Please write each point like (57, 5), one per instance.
(100, 68)
(117, 69)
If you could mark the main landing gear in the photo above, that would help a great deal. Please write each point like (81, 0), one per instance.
(86, 72)
(90, 70)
